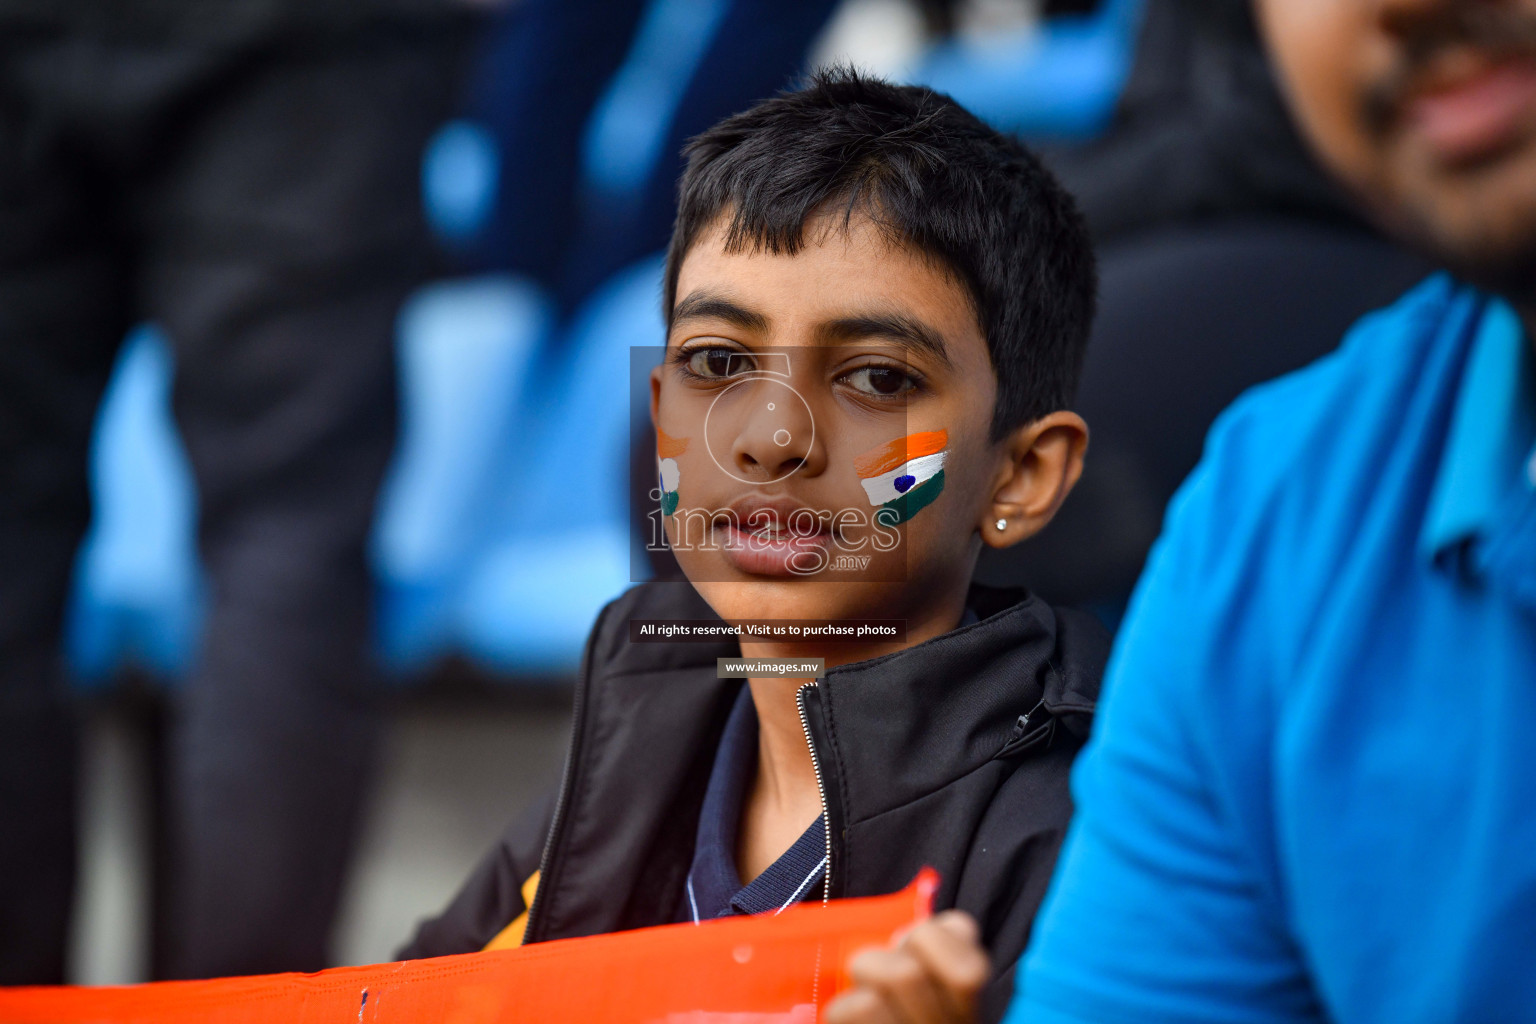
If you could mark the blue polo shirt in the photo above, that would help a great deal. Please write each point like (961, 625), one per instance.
(1311, 791)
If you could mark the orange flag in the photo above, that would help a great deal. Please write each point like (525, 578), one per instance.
(744, 970)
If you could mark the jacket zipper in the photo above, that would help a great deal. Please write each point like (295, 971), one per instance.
(821, 791)
(530, 934)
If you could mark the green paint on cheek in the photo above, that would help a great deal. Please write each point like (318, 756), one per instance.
(913, 502)
(668, 502)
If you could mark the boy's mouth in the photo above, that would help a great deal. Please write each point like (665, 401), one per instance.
(774, 537)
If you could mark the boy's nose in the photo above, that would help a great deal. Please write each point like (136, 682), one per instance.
(775, 435)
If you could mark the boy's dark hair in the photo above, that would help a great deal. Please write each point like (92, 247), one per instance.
(936, 178)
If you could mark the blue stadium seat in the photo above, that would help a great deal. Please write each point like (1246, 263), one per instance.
(625, 132)
(466, 349)
(562, 539)
(459, 175)
(1060, 80)
(138, 589)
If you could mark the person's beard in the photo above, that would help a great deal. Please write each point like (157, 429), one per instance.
(1508, 270)
(1513, 277)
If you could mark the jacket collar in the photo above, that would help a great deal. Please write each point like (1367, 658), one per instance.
(907, 724)
(891, 730)
(1488, 447)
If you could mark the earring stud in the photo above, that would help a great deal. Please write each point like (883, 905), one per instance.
(1002, 524)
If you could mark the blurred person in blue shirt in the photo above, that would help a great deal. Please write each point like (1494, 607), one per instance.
(1311, 791)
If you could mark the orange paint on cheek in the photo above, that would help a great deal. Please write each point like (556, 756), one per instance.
(902, 449)
(669, 447)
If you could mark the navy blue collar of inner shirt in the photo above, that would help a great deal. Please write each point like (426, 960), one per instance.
(714, 888)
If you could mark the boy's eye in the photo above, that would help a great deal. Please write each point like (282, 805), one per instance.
(719, 362)
(881, 381)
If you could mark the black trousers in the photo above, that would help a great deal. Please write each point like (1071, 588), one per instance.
(258, 198)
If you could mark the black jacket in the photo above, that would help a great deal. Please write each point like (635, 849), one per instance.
(953, 753)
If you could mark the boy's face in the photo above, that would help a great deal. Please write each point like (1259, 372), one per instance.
(823, 426)
(1427, 109)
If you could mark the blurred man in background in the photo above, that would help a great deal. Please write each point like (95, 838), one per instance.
(1228, 256)
(245, 173)
(1311, 792)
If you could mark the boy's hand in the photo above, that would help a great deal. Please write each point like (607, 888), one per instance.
(930, 974)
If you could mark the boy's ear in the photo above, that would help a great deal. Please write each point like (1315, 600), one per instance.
(1042, 463)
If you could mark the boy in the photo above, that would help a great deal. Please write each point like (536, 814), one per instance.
(876, 311)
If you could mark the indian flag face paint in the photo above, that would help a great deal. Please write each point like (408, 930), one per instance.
(668, 448)
(904, 475)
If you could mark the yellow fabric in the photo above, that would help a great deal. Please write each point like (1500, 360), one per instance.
(511, 936)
